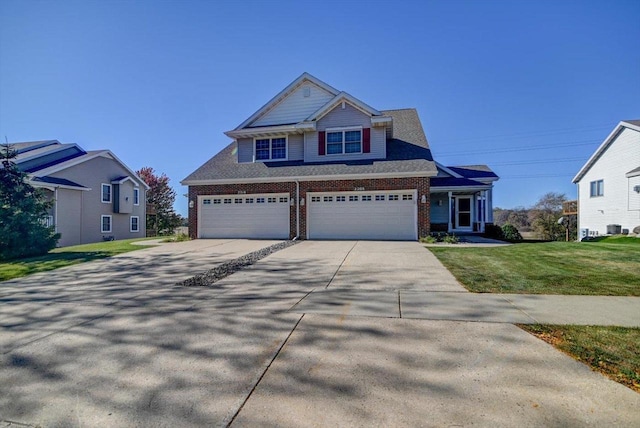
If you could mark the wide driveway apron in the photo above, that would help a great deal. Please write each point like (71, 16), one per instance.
(315, 334)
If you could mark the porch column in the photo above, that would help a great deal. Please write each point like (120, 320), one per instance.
(483, 214)
(449, 205)
(489, 206)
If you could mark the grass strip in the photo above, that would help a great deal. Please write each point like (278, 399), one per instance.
(608, 268)
(67, 256)
(612, 351)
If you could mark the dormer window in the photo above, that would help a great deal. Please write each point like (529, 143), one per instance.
(345, 140)
(270, 149)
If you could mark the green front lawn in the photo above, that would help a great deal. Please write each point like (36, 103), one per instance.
(61, 257)
(605, 267)
(612, 351)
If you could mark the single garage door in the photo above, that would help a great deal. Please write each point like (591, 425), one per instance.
(388, 215)
(244, 216)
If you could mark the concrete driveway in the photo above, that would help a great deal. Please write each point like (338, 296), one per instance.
(314, 335)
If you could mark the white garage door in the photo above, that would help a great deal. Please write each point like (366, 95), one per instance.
(389, 215)
(244, 216)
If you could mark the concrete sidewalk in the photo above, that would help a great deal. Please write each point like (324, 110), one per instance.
(497, 308)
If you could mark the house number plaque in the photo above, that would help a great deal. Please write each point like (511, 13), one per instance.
(358, 189)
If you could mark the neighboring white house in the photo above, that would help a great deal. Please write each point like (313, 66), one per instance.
(609, 183)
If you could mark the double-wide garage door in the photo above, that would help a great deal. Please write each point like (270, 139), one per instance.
(244, 216)
(385, 215)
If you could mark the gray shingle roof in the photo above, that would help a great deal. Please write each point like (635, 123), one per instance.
(60, 181)
(407, 153)
(474, 171)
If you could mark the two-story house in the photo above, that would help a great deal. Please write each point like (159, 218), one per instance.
(95, 195)
(318, 163)
(609, 183)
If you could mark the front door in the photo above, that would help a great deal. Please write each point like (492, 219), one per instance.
(463, 213)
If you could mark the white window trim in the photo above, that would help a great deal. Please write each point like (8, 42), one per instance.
(286, 149)
(136, 191)
(596, 193)
(102, 224)
(131, 223)
(343, 130)
(110, 193)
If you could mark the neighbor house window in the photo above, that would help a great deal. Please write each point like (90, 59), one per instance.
(344, 141)
(106, 193)
(105, 224)
(271, 148)
(134, 224)
(136, 196)
(597, 188)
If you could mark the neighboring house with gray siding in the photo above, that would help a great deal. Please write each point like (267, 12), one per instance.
(95, 195)
(609, 183)
(317, 163)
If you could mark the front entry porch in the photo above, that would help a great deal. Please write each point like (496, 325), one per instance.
(461, 211)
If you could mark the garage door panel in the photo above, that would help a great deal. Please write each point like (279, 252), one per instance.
(332, 218)
(240, 219)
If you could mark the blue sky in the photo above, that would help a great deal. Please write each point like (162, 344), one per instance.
(529, 88)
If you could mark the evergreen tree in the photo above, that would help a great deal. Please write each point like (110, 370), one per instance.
(160, 198)
(22, 209)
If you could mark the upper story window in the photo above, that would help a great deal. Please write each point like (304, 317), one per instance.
(106, 193)
(597, 188)
(271, 148)
(341, 141)
(136, 196)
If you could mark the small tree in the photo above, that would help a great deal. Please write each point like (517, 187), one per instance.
(22, 209)
(544, 216)
(161, 198)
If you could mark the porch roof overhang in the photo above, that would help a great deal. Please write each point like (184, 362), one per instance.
(453, 184)
(270, 131)
(458, 189)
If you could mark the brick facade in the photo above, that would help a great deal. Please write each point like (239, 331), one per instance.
(419, 183)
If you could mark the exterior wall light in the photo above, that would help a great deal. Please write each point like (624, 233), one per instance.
(423, 199)
(191, 204)
(301, 202)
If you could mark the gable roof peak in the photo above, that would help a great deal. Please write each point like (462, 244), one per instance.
(304, 77)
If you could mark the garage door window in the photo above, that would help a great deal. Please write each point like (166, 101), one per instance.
(206, 202)
(341, 198)
(366, 198)
(260, 200)
(407, 197)
(238, 200)
(379, 197)
(315, 199)
(284, 200)
(217, 201)
(328, 199)
(249, 200)
(393, 197)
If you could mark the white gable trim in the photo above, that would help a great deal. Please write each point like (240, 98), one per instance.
(603, 147)
(343, 97)
(284, 93)
(85, 158)
(125, 179)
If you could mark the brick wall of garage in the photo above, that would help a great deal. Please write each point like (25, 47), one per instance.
(419, 183)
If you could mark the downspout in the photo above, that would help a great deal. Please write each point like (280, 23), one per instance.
(55, 209)
(297, 210)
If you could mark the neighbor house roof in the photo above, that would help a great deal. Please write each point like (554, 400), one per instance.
(408, 154)
(42, 158)
(633, 173)
(58, 182)
(625, 124)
